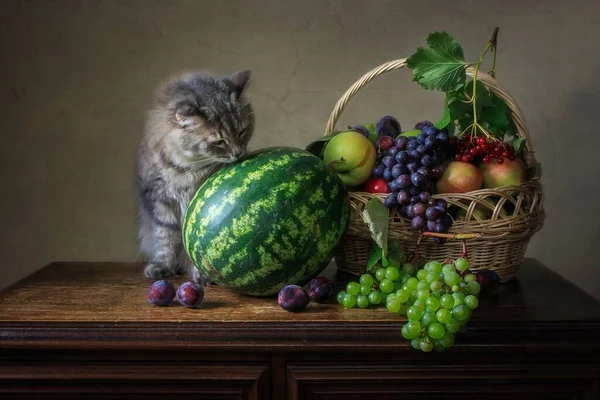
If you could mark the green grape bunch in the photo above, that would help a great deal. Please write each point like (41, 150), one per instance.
(437, 300)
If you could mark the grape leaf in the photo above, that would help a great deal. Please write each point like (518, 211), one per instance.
(374, 256)
(376, 215)
(396, 255)
(371, 127)
(441, 66)
(318, 146)
(458, 106)
(483, 98)
(496, 117)
(445, 120)
(384, 261)
(518, 144)
(451, 127)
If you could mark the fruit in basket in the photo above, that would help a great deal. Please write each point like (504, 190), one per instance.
(292, 298)
(422, 124)
(360, 129)
(413, 132)
(388, 126)
(510, 172)
(459, 177)
(270, 220)
(481, 150)
(410, 169)
(478, 212)
(483, 212)
(373, 136)
(377, 185)
(386, 142)
(352, 156)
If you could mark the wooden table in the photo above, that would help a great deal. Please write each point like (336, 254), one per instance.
(85, 331)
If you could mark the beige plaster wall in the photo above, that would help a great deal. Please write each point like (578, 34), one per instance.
(76, 77)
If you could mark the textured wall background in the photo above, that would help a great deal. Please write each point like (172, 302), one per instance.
(77, 76)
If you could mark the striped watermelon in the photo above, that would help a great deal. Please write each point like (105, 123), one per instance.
(266, 222)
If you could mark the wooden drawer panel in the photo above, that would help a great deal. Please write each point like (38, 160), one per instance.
(148, 381)
(401, 381)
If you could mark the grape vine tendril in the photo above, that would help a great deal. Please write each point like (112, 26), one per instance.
(492, 43)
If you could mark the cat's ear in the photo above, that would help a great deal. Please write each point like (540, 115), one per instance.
(239, 81)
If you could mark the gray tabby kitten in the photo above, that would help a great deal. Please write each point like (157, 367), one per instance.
(199, 123)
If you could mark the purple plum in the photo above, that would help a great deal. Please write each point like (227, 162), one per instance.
(292, 298)
(190, 294)
(161, 293)
(321, 289)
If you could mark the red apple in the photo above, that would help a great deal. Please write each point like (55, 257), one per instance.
(352, 156)
(377, 185)
(505, 174)
(459, 177)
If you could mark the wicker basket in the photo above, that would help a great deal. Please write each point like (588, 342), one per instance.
(504, 238)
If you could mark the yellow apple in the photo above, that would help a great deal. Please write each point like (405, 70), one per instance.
(352, 156)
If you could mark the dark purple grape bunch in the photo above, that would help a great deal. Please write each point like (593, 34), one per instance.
(411, 168)
(321, 290)
(292, 298)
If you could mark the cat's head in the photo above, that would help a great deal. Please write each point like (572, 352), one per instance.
(210, 116)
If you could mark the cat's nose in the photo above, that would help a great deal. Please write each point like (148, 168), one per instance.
(237, 153)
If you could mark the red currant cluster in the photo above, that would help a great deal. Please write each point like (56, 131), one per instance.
(468, 149)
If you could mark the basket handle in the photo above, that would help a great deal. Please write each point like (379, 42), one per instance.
(491, 83)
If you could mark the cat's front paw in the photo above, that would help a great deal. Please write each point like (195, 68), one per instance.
(200, 278)
(158, 271)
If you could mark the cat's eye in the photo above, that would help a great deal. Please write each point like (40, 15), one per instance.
(178, 117)
(219, 142)
(243, 131)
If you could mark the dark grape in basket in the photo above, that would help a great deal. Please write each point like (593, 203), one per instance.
(378, 171)
(422, 124)
(386, 142)
(401, 142)
(429, 130)
(391, 200)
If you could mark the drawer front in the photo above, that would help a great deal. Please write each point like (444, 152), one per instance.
(400, 381)
(148, 381)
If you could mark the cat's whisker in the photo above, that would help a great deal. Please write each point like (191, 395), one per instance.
(204, 162)
(187, 174)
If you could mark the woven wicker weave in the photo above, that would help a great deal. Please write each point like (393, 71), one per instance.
(504, 238)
